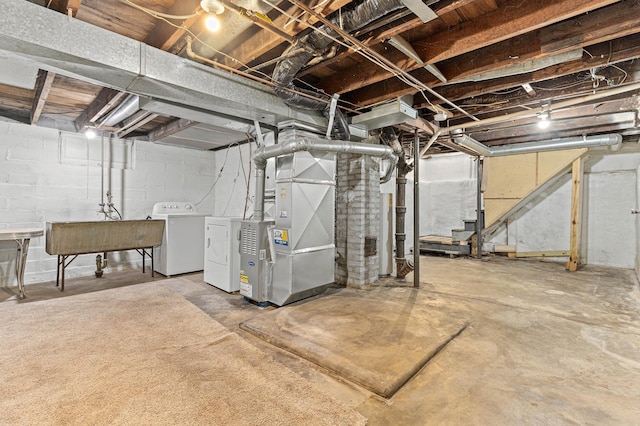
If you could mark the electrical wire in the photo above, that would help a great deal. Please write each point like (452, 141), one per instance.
(191, 33)
(224, 163)
(375, 58)
(248, 181)
(252, 77)
(506, 92)
(407, 79)
(267, 79)
(233, 188)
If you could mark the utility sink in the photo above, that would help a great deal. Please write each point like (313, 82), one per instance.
(66, 238)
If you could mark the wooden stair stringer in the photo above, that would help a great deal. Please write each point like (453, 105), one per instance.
(553, 177)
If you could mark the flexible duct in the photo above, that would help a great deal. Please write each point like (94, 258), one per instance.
(315, 44)
(261, 156)
(126, 109)
(548, 145)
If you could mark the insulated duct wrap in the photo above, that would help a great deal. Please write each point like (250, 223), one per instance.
(315, 44)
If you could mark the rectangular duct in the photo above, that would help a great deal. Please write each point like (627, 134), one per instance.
(389, 114)
(109, 59)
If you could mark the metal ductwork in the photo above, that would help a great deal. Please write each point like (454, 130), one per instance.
(528, 147)
(261, 156)
(316, 44)
(126, 109)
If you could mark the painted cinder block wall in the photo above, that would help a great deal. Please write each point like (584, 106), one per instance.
(47, 175)
(234, 169)
(610, 237)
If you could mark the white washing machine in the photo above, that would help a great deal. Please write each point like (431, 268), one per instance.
(182, 248)
(222, 252)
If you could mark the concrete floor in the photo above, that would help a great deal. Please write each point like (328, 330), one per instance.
(543, 346)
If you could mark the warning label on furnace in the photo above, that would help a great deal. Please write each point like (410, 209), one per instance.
(245, 289)
(281, 237)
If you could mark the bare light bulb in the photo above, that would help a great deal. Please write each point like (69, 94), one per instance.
(90, 133)
(212, 23)
(544, 121)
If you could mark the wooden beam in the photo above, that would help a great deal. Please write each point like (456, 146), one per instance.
(164, 35)
(44, 82)
(512, 19)
(619, 50)
(263, 41)
(488, 43)
(577, 177)
(169, 129)
(69, 7)
(546, 253)
(105, 101)
(600, 25)
(444, 9)
(136, 121)
(19, 115)
(504, 248)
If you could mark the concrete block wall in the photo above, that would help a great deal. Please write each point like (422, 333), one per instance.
(47, 175)
(357, 217)
(610, 232)
(232, 166)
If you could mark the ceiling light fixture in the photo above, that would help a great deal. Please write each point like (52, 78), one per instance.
(213, 8)
(90, 133)
(440, 116)
(544, 120)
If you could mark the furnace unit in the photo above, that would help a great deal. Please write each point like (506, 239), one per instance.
(256, 260)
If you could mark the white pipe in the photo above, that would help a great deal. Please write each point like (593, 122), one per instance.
(261, 156)
(102, 172)
(548, 145)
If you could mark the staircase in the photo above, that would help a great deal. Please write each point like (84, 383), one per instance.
(457, 244)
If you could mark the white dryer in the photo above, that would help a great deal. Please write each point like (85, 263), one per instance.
(222, 252)
(182, 248)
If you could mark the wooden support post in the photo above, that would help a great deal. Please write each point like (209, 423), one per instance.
(577, 174)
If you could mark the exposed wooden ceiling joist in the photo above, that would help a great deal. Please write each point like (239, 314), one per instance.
(164, 35)
(105, 101)
(170, 128)
(43, 87)
(486, 49)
